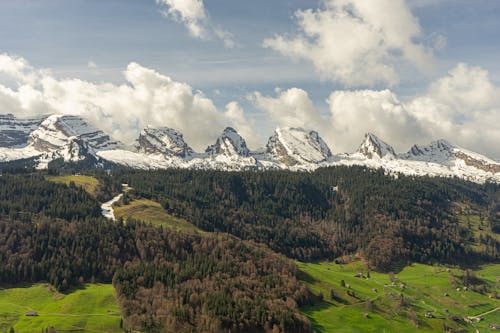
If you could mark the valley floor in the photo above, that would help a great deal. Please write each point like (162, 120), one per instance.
(90, 309)
(421, 298)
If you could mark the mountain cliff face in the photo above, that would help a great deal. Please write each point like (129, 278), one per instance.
(57, 130)
(163, 140)
(70, 139)
(14, 132)
(292, 146)
(229, 144)
(373, 147)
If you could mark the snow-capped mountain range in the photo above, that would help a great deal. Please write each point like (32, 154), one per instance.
(71, 139)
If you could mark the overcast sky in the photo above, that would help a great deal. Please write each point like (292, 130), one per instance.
(409, 71)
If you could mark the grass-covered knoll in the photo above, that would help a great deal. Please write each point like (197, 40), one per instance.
(400, 302)
(88, 183)
(91, 309)
(152, 212)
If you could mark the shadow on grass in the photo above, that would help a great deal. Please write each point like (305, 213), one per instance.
(27, 285)
(308, 310)
(303, 276)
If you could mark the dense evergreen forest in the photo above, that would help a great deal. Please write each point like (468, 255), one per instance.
(239, 276)
(331, 212)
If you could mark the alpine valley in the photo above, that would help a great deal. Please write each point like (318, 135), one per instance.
(38, 142)
(100, 236)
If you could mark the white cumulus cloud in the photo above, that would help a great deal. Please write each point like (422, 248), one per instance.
(194, 16)
(146, 98)
(356, 42)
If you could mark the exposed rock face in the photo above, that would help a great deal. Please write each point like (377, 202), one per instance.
(373, 147)
(57, 130)
(14, 132)
(292, 146)
(229, 144)
(163, 140)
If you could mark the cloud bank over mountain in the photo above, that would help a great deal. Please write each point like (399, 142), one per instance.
(146, 97)
(463, 107)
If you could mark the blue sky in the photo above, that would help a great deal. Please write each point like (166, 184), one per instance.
(65, 35)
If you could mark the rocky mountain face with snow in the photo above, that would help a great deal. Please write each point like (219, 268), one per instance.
(163, 140)
(70, 139)
(57, 130)
(295, 146)
(446, 153)
(14, 132)
(373, 147)
(55, 137)
(229, 144)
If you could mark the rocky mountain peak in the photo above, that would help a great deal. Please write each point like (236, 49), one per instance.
(293, 146)
(163, 140)
(229, 143)
(373, 147)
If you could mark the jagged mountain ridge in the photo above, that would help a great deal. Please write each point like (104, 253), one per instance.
(444, 152)
(71, 139)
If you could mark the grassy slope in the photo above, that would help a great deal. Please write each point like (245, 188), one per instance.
(92, 309)
(88, 183)
(152, 212)
(425, 288)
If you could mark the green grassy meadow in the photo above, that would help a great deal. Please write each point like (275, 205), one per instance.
(152, 212)
(91, 309)
(400, 304)
(88, 183)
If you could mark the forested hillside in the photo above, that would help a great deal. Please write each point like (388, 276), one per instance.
(332, 211)
(166, 281)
